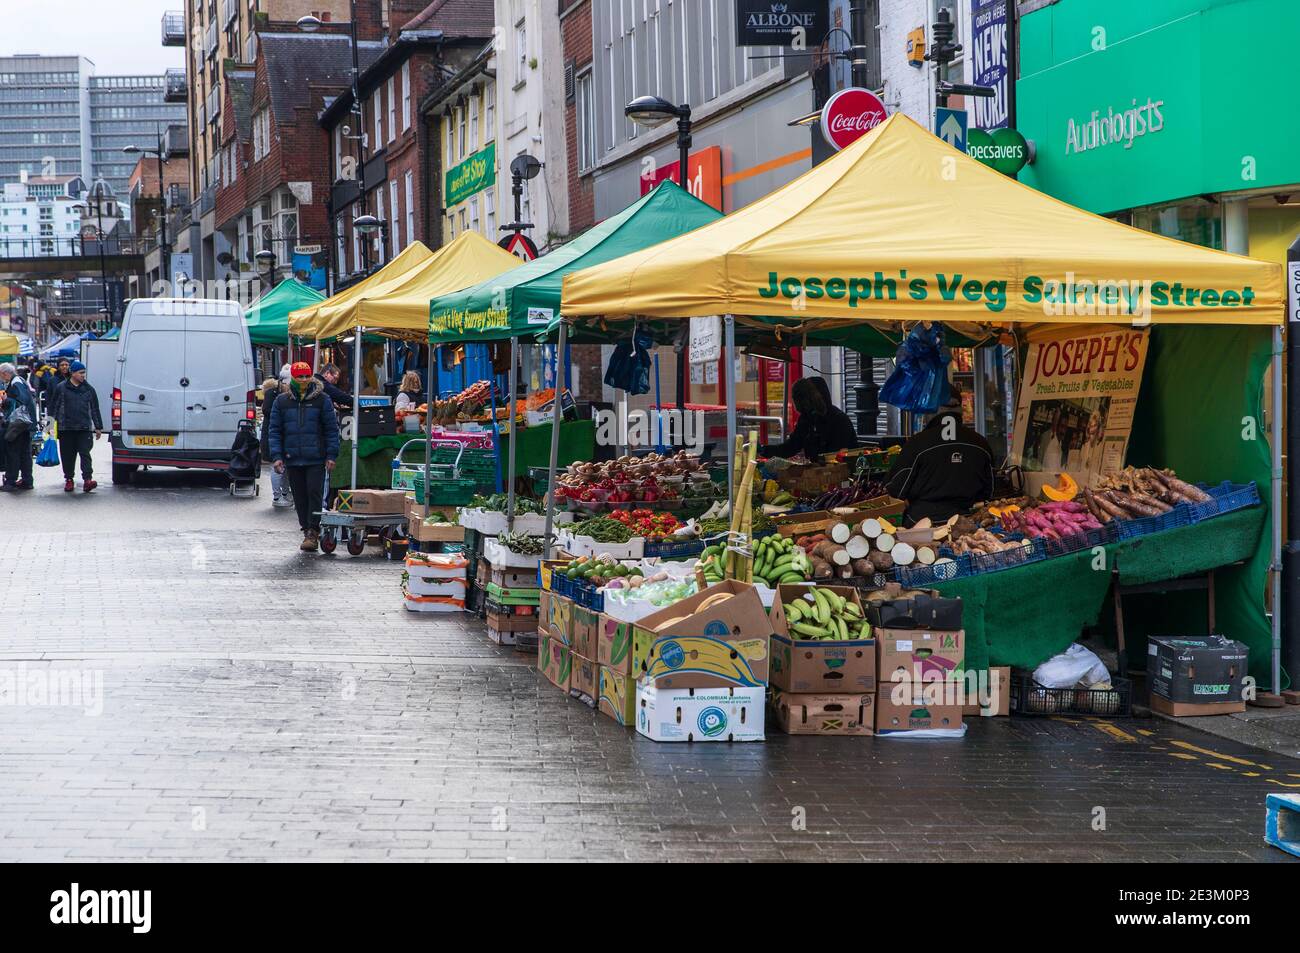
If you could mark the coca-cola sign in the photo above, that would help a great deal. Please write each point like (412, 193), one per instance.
(850, 114)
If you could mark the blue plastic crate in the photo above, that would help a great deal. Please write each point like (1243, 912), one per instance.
(1225, 498)
(1007, 559)
(690, 547)
(1180, 515)
(919, 577)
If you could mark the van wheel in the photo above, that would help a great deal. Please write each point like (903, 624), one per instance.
(122, 473)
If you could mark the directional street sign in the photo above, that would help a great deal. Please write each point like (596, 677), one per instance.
(950, 126)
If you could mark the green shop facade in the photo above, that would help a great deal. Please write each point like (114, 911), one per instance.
(1173, 116)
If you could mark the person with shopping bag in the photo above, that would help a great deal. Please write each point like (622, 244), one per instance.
(75, 411)
(281, 495)
(304, 442)
(18, 411)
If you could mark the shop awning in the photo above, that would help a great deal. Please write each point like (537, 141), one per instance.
(306, 323)
(268, 318)
(8, 344)
(901, 227)
(401, 307)
(527, 299)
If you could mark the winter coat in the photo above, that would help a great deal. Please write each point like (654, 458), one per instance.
(939, 477)
(304, 432)
(336, 393)
(18, 394)
(76, 407)
(268, 402)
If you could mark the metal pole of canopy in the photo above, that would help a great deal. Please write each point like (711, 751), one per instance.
(496, 430)
(1279, 352)
(428, 421)
(356, 403)
(315, 356)
(729, 374)
(659, 412)
(514, 433)
(555, 443)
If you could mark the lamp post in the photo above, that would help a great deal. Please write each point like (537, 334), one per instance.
(99, 191)
(164, 249)
(366, 226)
(266, 259)
(648, 112)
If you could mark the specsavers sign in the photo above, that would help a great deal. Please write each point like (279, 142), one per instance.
(475, 174)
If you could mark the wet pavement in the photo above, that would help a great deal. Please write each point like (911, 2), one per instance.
(260, 705)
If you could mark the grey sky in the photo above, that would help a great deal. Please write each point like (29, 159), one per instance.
(119, 36)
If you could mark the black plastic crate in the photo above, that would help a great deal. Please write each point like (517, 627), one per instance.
(1030, 698)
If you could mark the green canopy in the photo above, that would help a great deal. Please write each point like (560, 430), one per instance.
(526, 300)
(268, 318)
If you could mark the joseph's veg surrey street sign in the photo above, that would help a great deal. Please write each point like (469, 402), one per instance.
(475, 174)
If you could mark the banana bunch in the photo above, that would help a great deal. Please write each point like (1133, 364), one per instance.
(825, 615)
(777, 560)
(712, 562)
(774, 495)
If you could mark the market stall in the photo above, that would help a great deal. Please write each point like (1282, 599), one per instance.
(268, 318)
(953, 242)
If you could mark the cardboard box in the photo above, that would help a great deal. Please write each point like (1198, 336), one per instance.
(700, 714)
(372, 502)
(511, 622)
(584, 682)
(903, 709)
(418, 512)
(618, 695)
(544, 608)
(1197, 671)
(614, 644)
(483, 574)
(817, 521)
(435, 532)
(923, 654)
(559, 621)
(726, 643)
(825, 714)
(555, 661)
(514, 578)
(819, 665)
(1191, 710)
(583, 632)
(998, 688)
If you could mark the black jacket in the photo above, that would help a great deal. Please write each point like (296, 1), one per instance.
(940, 477)
(268, 401)
(335, 393)
(304, 432)
(75, 407)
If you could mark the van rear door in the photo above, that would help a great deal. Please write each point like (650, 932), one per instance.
(216, 366)
(153, 366)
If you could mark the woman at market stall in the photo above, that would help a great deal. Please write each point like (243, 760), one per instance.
(412, 393)
(944, 470)
(822, 427)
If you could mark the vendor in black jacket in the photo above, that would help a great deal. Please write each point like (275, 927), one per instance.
(822, 427)
(943, 470)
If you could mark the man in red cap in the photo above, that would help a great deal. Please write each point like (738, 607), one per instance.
(304, 443)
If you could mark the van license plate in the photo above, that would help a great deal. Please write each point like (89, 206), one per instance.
(156, 440)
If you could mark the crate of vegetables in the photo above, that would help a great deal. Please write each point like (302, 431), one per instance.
(1030, 698)
(1224, 498)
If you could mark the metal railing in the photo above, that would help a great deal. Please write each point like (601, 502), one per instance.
(173, 29)
(11, 248)
(174, 87)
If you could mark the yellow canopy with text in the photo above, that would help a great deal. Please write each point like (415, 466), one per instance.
(308, 322)
(902, 227)
(401, 307)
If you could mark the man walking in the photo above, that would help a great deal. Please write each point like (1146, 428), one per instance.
(75, 408)
(304, 442)
(18, 411)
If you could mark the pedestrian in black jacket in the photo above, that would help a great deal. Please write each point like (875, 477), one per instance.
(329, 378)
(304, 439)
(822, 427)
(943, 470)
(74, 406)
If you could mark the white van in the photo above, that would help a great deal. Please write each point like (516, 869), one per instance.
(183, 383)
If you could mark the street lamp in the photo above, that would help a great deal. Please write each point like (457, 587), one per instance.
(164, 250)
(651, 111)
(100, 191)
(366, 226)
(266, 259)
(309, 23)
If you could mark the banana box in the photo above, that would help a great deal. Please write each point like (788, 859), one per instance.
(614, 643)
(559, 618)
(909, 706)
(726, 713)
(802, 663)
(716, 638)
(618, 695)
(586, 624)
(919, 654)
(825, 714)
(555, 661)
(544, 610)
(584, 681)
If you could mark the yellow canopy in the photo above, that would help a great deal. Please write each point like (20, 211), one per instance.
(401, 306)
(8, 343)
(308, 322)
(900, 226)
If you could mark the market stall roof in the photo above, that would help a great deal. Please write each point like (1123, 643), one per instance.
(402, 307)
(527, 299)
(306, 323)
(268, 318)
(901, 227)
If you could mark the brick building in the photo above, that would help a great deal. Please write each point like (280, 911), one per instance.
(386, 164)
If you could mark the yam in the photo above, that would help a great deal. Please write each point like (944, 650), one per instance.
(857, 547)
(885, 542)
(882, 562)
(841, 532)
(821, 569)
(925, 555)
(863, 567)
(840, 557)
(923, 523)
(870, 528)
(903, 554)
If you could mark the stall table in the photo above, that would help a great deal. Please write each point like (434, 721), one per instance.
(1021, 616)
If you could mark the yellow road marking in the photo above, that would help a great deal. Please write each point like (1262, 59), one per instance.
(1285, 784)
(1215, 764)
(1114, 731)
(1185, 757)
(1218, 754)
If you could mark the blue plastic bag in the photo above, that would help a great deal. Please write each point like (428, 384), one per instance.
(629, 365)
(49, 453)
(919, 382)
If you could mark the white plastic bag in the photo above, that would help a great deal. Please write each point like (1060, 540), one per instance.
(1074, 667)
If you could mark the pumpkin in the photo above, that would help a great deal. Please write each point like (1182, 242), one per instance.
(1065, 488)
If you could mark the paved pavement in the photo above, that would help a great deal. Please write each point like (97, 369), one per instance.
(262, 705)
